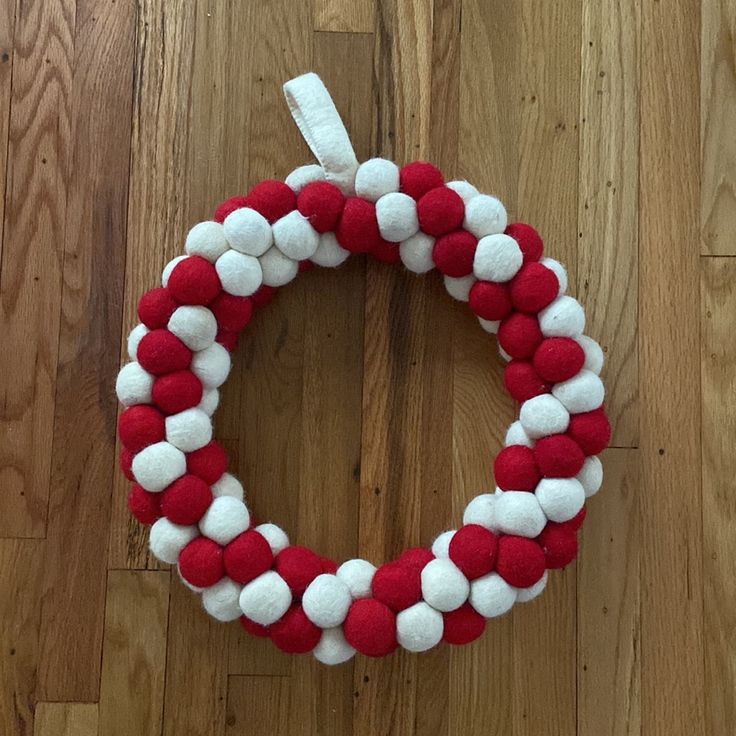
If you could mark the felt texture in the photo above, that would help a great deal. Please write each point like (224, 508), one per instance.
(581, 393)
(329, 567)
(376, 177)
(228, 206)
(167, 540)
(333, 648)
(385, 251)
(560, 545)
(210, 400)
(298, 566)
(518, 513)
(277, 268)
(321, 204)
(200, 562)
(441, 544)
(161, 352)
(140, 426)
(357, 230)
(294, 633)
(577, 521)
(418, 178)
(534, 287)
(225, 519)
(326, 601)
(440, 211)
(473, 550)
(498, 258)
(195, 326)
(489, 300)
(227, 339)
(240, 274)
(169, 268)
(254, 629)
(515, 469)
(558, 270)
(543, 415)
(212, 365)
(416, 253)
(370, 628)
(303, 175)
(520, 561)
(415, 557)
(519, 335)
(524, 595)
(523, 382)
(294, 237)
(485, 215)
(126, 463)
(564, 317)
(490, 326)
(593, 353)
(176, 392)
(266, 599)
(396, 585)
(247, 556)
(247, 231)
(158, 465)
(460, 288)
(453, 253)
(462, 625)
(134, 337)
(329, 253)
(419, 627)
(228, 485)
(358, 575)
(272, 199)
(558, 358)
(516, 435)
(185, 500)
(491, 595)
(232, 313)
(396, 214)
(558, 456)
(480, 511)
(194, 281)
(528, 239)
(189, 430)
(560, 498)
(275, 536)
(264, 296)
(591, 476)
(155, 308)
(465, 189)
(209, 463)
(222, 600)
(145, 506)
(444, 586)
(207, 240)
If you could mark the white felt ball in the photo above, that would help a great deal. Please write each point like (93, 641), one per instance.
(591, 476)
(133, 385)
(416, 253)
(303, 175)
(593, 353)
(357, 575)
(459, 288)
(228, 485)
(497, 258)
(210, 401)
(189, 429)
(157, 466)
(167, 540)
(516, 435)
(485, 215)
(441, 545)
(524, 595)
(396, 213)
(491, 595)
(560, 498)
(248, 231)
(211, 365)
(240, 274)
(329, 253)
(480, 511)
(581, 393)
(194, 588)
(490, 325)
(504, 355)
(295, 237)
(222, 600)
(326, 601)
(278, 269)
(195, 326)
(563, 318)
(207, 240)
(266, 599)
(464, 188)
(543, 415)
(275, 536)
(376, 177)
(333, 648)
(225, 519)
(134, 338)
(419, 627)
(558, 270)
(519, 513)
(444, 586)
(169, 267)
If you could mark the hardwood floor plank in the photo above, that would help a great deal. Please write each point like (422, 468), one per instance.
(259, 706)
(8, 9)
(344, 16)
(66, 719)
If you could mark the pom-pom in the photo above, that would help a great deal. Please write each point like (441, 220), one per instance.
(522, 381)
(278, 269)
(415, 557)
(162, 352)
(528, 239)
(489, 325)
(416, 253)
(265, 599)
(533, 288)
(463, 625)
(143, 505)
(208, 463)
(167, 540)
(465, 189)
(460, 288)
(135, 336)
(247, 557)
(560, 545)
(321, 203)
(228, 485)
(254, 629)
(298, 566)
(358, 575)
(558, 270)
(558, 456)
(593, 353)
(303, 175)
(564, 317)
(329, 253)
(222, 600)
(480, 511)
(473, 550)
(176, 392)
(418, 178)
(524, 595)
(520, 561)
(485, 215)
(489, 300)
(516, 435)
(577, 521)
(273, 199)
(370, 628)
(200, 562)
(441, 544)
(543, 415)
(419, 627)
(396, 585)
(385, 251)
(519, 335)
(326, 601)
(185, 500)
(591, 476)
(295, 237)
(228, 340)
(228, 206)
(396, 214)
(247, 231)
(159, 465)
(275, 536)
(195, 326)
(294, 633)
(133, 385)
(357, 230)
(140, 426)
(560, 498)
(194, 281)
(225, 519)
(126, 463)
(169, 267)
(491, 595)
(333, 648)
(210, 401)
(376, 177)
(440, 211)
(189, 429)
(239, 273)
(264, 296)
(212, 365)
(207, 240)
(558, 358)
(155, 308)
(444, 586)
(497, 258)
(232, 313)
(581, 393)
(329, 567)
(515, 469)
(453, 253)
(519, 513)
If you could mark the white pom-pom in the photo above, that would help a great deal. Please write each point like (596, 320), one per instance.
(248, 231)
(397, 216)
(225, 519)
(134, 338)
(222, 600)
(333, 648)
(266, 599)
(329, 253)
(560, 498)
(240, 274)
(207, 240)
(134, 385)
(465, 189)
(167, 540)
(195, 326)
(581, 393)
(210, 401)
(497, 258)
(157, 466)
(491, 595)
(524, 595)
(419, 627)
(591, 476)
(169, 267)
(375, 178)
(357, 575)
(519, 513)
(295, 237)
(211, 365)
(593, 353)
(490, 325)
(189, 429)
(459, 288)
(326, 601)
(444, 586)
(275, 536)
(504, 355)
(543, 415)
(228, 485)
(480, 511)
(485, 215)
(563, 318)
(303, 175)
(278, 269)
(416, 253)
(558, 270)
(441, 544)
(516, 435)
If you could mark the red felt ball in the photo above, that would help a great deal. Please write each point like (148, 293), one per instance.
(305, 266)
(263, 296)
(126, 463)
(520, 561)
(370, 628)
(577, 521)
(528, 239)
(294, 633)
(329, 567)
(247, 556)
(558, 358)
(298, 566)
(228, 340)
(232, 312)
(453, 253)
(591, 431)
(490, 300)
(397, 585)
(440, 211)
(208, 463)
(415, 557)
(140, 426)
(385, 251)
(321, 203)
(357, 230)
(194, 280)
(533, 288)
(515, 469)
(200, 562)
(473, 550)
(273, 199)
(559, 544)
(229, 206)
(418, 178)
(155, 308)
(143, 505)
(176, 392)
(558, 456)
(186, 500)
(522, 381)
(161, 352)
(253, 628)
(519, 335)
(463, 625)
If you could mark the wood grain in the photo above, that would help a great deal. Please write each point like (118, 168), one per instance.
(346, 16)
(7, 27)
(259, 706)
(66, 719)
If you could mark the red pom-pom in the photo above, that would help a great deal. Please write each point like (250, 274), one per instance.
(143, 505)
(126, 463)
(591, 431)
(453, 253)
(419, 177)
(534, 288)
(329, 567)
(522, 381)
(415, 557)
(161, 352)
(463, 625)
(194, 280)
(520, 561)
(247, 556)
(559, 544)
(528, 239)
(294, 633)
(200, 562)
(558, 456)
(558, 358)
(155, 308)
(229, 206)
(208, 463)
(519, 335)
(140, 426)
(321, 203)
(263, 296)
(273, 199)
(490, 300)
(186, 500)
(176, 392)
(305, 266)
(385, 252)
(357, 230)
(370, 628)
(232, 312)
(298, 566)
(228, 340)
(440, 211)
(398, 586)
(253, 628)
(577, 521)
(473, 550)
(515, 469)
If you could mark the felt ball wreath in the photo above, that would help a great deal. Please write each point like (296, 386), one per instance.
(180, 356)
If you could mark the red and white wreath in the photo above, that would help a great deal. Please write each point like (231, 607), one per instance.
(180, 355)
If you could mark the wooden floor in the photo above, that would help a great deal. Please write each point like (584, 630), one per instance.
(365, 407)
